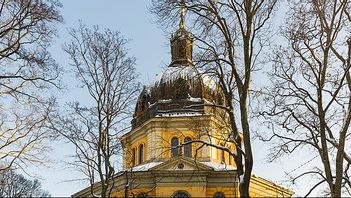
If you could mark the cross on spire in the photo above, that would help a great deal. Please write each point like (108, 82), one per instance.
(182, 14)
(181, 42)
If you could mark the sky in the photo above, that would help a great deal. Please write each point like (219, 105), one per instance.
(150, 45)
(147, 43)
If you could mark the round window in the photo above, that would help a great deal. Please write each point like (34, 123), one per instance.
(180, 166)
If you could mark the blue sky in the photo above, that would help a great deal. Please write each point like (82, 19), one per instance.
(150, 45)
(147, 43)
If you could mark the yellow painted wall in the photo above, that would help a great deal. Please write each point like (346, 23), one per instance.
(217, 154)
(167, 137)
(167, 191)
(142, 140)
(201, 191)
(157, 142)
(228, 192)
(135, 192)
(156, 138)
(259, 187)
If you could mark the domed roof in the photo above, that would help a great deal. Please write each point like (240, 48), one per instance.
(181, 90)
(181, 82)
(178, 71)
(178, 91)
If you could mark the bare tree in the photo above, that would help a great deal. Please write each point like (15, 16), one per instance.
(230, 36)
(16, 185)
(104, 68)
(309, 104)
(27, 72)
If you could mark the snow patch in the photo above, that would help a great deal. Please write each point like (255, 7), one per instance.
(185, 72)
(194, 99)
(144, 167)
(241, 178)
(165, 101)
(219, 167)
(173, 73)
(209, 82)
(179, 114)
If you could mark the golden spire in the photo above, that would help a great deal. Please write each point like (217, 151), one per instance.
(181, 41)
(182, 14)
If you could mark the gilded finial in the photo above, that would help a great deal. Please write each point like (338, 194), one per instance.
(182, 14)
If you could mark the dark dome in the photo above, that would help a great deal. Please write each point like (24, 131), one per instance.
(180, 90)
(179, 82)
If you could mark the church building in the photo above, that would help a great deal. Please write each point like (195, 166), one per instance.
(165, 153)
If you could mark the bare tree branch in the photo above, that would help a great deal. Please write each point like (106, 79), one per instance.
(104, 68)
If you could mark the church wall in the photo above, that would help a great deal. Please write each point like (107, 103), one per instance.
(227, 191)
(176, 105)
(216, 154)
(181, 134)
(135, 143)
(197, 185)
(151, 146)
(224, 182)
(260, 187)
(156, 137)
(165, 185)
(168, 191)
(151, 192)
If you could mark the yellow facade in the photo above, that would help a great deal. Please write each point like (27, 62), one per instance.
(177, 142)
(160, 175)
(156, 134)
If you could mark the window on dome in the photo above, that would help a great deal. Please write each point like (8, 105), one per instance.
(187, 147)
(141, 153)
(174, 146)
(218, 195)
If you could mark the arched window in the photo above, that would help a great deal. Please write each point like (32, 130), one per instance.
(218, 195)
(142, 195)
(133, 157)
(187, 147)
(174, 145)
(141, 153)
(181, 194)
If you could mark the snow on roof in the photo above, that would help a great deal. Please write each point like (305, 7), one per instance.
(175, 72)
(145, 167)
(209, 82)
(219, 167)
(215, 166)
(194, 99)
(185, 72)
(179, 114)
